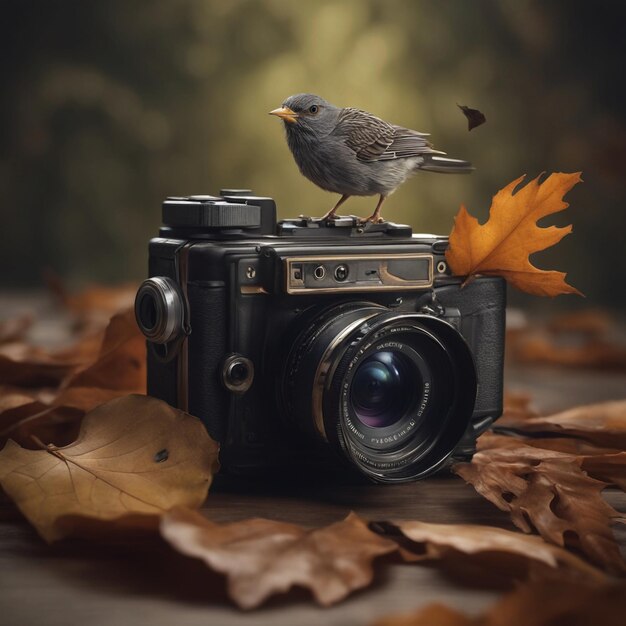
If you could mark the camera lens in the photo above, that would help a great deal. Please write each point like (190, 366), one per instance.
(382, 389)
(159, 309)
(391, 392)
(148, 311)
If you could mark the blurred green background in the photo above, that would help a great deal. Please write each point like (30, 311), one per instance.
(108, 106)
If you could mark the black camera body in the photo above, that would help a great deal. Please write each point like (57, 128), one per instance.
(304, 342)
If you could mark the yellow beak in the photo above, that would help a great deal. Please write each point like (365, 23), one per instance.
(286, 114)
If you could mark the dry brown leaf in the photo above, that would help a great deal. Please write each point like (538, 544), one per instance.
(93, 306)
(593, 352)
(545, 603)
(518, 405)
(547, 492)
(474, 116)
(14, 329)
(502, 245)
(31, 368)
(263, 557)
(587, 322)
(22, 422)
(116, 368)
(603, 424)
(121, 363)
(134, 455)
(487, 553)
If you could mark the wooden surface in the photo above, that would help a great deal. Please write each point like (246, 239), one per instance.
(142, 582)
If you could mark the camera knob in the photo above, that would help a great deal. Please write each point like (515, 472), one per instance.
(159, 309)
(237, 373)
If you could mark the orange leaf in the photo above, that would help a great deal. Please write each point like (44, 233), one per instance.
(502, 245)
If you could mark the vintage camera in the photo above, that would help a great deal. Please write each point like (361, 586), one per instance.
(300, 343)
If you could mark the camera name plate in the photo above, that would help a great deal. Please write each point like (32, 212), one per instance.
(352, 273)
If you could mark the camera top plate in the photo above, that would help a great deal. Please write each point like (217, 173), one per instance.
(344, 226)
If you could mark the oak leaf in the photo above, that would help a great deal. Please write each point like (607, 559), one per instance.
(547, 492)
(502, 245)
(133, 455)
(262, 557)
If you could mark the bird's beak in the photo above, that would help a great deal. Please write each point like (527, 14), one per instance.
(286, 114)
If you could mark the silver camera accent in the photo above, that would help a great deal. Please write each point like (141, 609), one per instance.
(159, 309)
(363, 273)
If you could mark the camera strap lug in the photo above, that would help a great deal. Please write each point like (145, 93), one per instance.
(452, 315)
(434, 307)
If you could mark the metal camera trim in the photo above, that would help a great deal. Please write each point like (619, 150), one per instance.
(394, 283)
(169, 309)
(229, 363)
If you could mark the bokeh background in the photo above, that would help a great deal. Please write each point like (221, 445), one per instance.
(108, 106)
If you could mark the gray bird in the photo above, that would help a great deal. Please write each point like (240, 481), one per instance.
(354, 153)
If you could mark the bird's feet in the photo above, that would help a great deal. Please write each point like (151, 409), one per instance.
(331, 216)
(375, 218)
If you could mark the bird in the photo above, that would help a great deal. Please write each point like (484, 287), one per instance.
(354, 153)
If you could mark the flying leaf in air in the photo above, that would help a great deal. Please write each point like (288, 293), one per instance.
(474, 116)
(502, 245)
(133, 455)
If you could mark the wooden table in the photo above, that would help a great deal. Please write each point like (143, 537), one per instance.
(145, 583)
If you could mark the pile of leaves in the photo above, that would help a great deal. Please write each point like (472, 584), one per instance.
(84, 449)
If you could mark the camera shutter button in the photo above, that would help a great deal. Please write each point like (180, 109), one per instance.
(237, 373)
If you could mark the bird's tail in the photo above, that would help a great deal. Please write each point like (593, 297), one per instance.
(443, 165)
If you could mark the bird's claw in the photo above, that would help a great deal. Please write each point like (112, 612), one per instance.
(372, 219)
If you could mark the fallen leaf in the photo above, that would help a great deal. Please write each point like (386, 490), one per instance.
(14, 329)
(591, 352)
(517, 405)
(491, 553)
(603, 424)
(93, 306)
(121, 363)
(32, 368)
(545, 603)
(547, 492)
(474, 116)
(263, 557)
(588, 322)
(502, 245)
(133, 455)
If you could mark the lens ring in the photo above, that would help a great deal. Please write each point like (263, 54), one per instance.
(159, 309)
(314, 382)
(412, 448)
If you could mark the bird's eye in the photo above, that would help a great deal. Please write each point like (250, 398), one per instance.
(313, 109)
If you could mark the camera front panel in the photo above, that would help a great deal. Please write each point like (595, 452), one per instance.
(240, 311)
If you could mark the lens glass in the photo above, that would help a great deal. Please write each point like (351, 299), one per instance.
(384, 387)
(148, 311)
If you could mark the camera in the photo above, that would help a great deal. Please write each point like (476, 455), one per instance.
(310, 345)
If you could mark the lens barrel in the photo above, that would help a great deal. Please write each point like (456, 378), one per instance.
(159, 309)
(393, 392)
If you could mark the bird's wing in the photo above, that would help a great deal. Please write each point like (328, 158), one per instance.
(373, 139)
